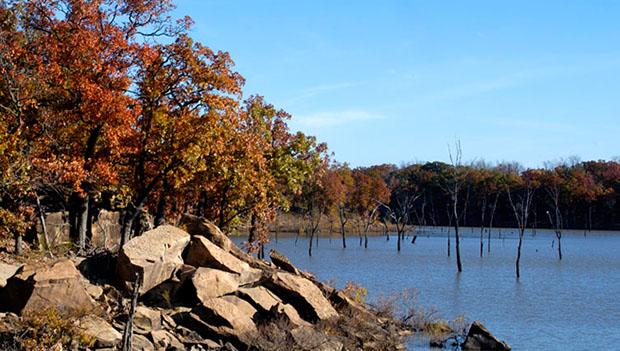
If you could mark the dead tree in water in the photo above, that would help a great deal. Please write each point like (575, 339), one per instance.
(449, 213)
(452, 187)
(553, 184)
(520, 199)
(342, 216)
(491, 221)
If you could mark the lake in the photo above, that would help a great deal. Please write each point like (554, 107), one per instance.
(571, 304)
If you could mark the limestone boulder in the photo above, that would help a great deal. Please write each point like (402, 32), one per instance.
(282, 262)
(204, 253)
(146, 319)
(164, 340)
(210, 283)
(199, 226)
(227, 317)
(260, 297)
(59, 285)
(480, 338)
(106, 230)
(245, 307)
(220, 320)
(98, 328)
(141, 343)
(6, 272)
(58, 229)
(289, 313)
(202, 227)
(154, 256)
(303, 295)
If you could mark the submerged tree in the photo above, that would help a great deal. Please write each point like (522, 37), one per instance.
(520, 191)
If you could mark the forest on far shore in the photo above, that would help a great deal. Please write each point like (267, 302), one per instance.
(112, 105)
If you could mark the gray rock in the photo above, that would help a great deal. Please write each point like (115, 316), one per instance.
(58, 284)
(204, 253)
(209, 283)
(260, 297)
(6, 272)
(141, 343)
(154, 255)
(98, 328)
(106, 230)
(479, 338)
(146, 320)
(303, 295)
(164, 340)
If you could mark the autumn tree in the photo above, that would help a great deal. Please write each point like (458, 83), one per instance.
(370, 191)
(188, 97)
(84, 54)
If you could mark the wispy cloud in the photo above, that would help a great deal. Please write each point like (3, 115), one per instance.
(336, 118)
(317, 90)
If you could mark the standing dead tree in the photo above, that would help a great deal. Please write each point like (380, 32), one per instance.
(452, 186)
(520, 197)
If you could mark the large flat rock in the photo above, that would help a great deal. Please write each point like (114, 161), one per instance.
(303, 295)
(58, 285)
(210, 283)
(6, 272)
(153, 255)
(203, 253)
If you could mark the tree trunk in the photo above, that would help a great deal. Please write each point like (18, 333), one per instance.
(521, 232)
(491, 222)
(18, 244)
(45, 244)
(128, 332)
(83, 223)
(559, 236)
(343, 223)
(310, 245)
(459, 265)
(398, 239)
(449, 240)
(160, 213)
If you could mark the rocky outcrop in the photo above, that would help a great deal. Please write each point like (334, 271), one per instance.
(480, 338)
(34, 288)
(303, 295)
(154, 256)
(198, 291)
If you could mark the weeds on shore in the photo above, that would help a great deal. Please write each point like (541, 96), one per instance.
(405, 307)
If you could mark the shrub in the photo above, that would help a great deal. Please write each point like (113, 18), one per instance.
(50, 330)
(355, 292)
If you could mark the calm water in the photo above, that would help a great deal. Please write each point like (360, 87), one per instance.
(573, 304)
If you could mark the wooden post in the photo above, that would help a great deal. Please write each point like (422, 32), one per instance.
(128, 333)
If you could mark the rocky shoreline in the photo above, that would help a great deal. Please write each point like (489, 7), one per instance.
(193, 290)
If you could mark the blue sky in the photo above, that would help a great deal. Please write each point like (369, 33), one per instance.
(397, 81)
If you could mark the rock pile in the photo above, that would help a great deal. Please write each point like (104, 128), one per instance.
(198, 291)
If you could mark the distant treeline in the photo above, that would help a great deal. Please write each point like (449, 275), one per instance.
(586, 194)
